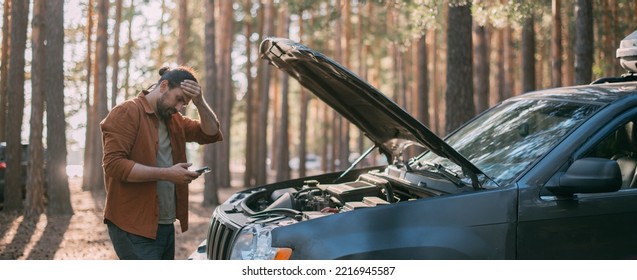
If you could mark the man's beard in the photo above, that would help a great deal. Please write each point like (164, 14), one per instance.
(164, 112)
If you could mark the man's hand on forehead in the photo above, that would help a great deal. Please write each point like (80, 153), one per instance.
(191, 89)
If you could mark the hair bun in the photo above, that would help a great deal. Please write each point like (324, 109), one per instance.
(163, 70)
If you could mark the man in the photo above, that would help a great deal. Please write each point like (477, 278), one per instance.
(145, 167)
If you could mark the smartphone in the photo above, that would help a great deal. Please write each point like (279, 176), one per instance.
(203, 170)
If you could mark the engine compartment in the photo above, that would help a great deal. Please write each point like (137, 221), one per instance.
(314, 199)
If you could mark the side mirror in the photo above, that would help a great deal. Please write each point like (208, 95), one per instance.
(587, 175)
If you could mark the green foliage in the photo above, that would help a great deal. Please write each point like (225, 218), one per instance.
(422, 15)
(412, 19)
(417, 16)
(303, 5)
(598, 68)
(501, 15)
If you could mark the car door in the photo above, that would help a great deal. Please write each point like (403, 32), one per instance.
(582, 225)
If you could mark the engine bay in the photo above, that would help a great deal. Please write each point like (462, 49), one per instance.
(314, 199)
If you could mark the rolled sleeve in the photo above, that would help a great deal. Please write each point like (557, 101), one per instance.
(194, 133)
(119, 130)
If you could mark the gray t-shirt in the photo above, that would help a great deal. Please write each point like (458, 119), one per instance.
(165, 189)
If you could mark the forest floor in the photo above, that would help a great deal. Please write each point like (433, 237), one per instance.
(83, 235)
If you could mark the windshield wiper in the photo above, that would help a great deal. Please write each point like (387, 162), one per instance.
(440, 169)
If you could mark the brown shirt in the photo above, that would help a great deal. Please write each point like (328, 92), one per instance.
(129, 135)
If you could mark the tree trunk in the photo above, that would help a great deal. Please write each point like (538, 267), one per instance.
(442, 72)
(115, 57)
(59, 196)
(224, 97)
(90, 111)
(459, 95)
(283, 138)
(324, 119)
(210, 192)
(482, 69)
(214, 151)
(610, 40)
(543, 65)
(100, 99)
(15, 105)
(606, 53)
(422, 82)
(344, 149)
(34, 203)
(528, 54)
(435, 94)
(567, 41)
(615, 33)
(509, 60)
(161, 44)
(4, 61)
(251, 99)
(583, 42)
(334, 125)
(556, 45)
(364, 47)
(498, 47)
(183, 35)
(129, 51)
(304, 103)
(264, 98)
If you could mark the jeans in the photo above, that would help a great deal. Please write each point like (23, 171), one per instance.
(130, 246)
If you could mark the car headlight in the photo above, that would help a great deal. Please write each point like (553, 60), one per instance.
(254, 243)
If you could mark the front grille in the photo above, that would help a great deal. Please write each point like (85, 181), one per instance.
(219, 240)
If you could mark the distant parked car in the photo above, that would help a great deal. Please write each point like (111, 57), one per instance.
(3, 166)
(312, 162)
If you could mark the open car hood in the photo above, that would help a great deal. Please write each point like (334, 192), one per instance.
(382, 120)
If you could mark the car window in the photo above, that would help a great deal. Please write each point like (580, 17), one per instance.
(620, 145)
(504, 141)
(608, 147)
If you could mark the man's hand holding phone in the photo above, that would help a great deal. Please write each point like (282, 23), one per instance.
(203, 170)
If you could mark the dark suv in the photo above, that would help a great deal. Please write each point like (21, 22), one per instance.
(548, 174)
(3, 168)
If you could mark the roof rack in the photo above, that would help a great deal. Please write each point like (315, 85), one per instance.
(628, 77)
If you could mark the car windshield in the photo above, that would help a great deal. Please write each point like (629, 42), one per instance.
(504, 141)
